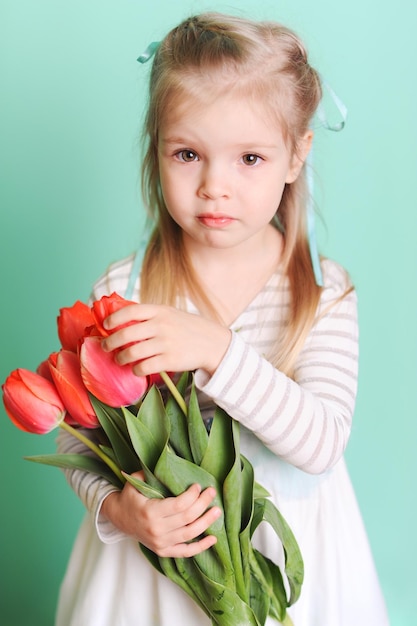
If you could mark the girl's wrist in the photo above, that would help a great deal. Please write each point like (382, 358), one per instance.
(216, 349)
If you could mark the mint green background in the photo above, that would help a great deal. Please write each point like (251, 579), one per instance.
(71, 100)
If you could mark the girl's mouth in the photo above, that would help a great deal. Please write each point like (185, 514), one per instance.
(212, 220)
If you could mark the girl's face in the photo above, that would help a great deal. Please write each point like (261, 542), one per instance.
(223, 167)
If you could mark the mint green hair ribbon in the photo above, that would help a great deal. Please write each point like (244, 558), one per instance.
(324, 122)
(149, 52)
(311, 226)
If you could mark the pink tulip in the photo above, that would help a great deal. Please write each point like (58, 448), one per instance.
(32, 402)
(72, 324)
(66, 374)
(104, 307)
(113, 384)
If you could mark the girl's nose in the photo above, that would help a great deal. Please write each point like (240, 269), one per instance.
(214, 182)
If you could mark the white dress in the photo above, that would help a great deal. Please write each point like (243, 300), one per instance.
(294, 433)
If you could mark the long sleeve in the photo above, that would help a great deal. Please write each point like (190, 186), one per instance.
(305, 421)
(90, 488)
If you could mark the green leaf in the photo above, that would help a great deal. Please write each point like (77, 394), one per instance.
(294, 568)
(197, 432)
(222, 448)
(144, 488)
(170, 569)
(247, 489)
(116, 431)
(77, 461)
(232, 492)
(223, 605)
(273, 585)
(260, 588)
(146, 449)
(108, 451)
(178, 438)
(247, 508)
(152, 415)
(153, 558)
(259, 491)
(145, 441)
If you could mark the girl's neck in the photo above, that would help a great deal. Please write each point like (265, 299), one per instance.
(232, 277)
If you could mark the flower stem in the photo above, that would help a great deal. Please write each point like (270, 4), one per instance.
(109, 462)
(178, 397)
(287, 621)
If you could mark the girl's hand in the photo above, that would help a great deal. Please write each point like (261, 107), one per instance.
(165, 526)
(159, 338)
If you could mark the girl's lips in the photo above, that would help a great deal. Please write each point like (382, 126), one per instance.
(215, 221)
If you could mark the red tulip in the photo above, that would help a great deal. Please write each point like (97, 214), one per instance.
(113, 384)
(106, 306)
(32, 402)
(43, 369)
(72, 324)
(66, 374)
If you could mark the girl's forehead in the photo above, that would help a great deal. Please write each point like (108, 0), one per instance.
(196, 105)
(227, 122)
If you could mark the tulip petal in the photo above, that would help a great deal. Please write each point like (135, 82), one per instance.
(104, 307)
(113, 384)
(66, 374)
(32, 402)
(72, 324)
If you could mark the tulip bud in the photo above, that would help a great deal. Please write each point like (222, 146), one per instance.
(66, 374)
(32, 402)
(104, 307)
(113, 384)
(72, 324)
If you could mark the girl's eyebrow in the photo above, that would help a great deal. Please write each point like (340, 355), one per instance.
(247, 145)
(172, 140)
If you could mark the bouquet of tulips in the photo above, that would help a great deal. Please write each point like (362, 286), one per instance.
(139, 428)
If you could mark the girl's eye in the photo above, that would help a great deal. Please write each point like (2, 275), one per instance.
(251, 159)
(187, 156)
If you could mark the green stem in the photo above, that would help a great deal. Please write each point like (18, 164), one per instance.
(111, 464)
(178, 397)
(287, 621)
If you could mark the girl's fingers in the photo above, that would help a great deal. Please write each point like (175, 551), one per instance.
(135, 333)
(183, 541)
(176, 521)
(128, 314)
(185, 550)
(186, 508)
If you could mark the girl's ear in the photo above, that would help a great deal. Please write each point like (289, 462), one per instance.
(300, 154)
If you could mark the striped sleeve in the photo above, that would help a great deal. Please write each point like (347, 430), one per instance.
(90, 488)
(305, 421)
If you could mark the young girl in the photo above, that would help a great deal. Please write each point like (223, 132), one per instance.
(229, 292)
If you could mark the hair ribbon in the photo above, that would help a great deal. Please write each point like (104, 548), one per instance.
(148, 52)
(311, 226)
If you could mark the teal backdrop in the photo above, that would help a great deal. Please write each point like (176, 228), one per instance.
(72, 97)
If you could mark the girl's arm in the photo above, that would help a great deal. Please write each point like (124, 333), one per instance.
(165, 526)
(305, 421)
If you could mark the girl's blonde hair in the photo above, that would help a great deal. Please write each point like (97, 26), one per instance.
(265, 61)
